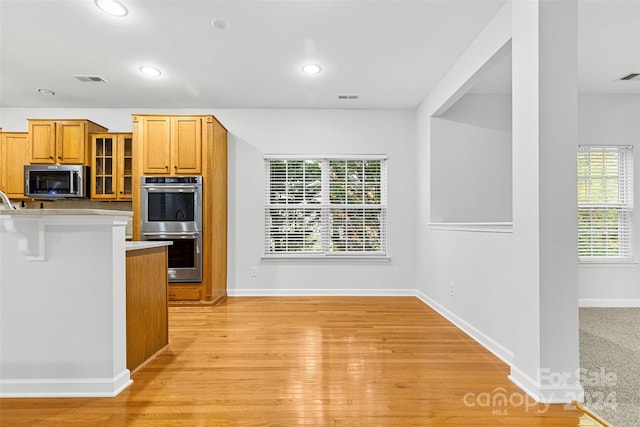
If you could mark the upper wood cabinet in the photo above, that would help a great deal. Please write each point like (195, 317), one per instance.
(61, 141)
(15, 152)
(171, 145)
(111, 166)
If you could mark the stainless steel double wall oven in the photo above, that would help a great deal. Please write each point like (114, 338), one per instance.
(171, 210)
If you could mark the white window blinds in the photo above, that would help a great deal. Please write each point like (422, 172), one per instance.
(605, 204)
(325, 206)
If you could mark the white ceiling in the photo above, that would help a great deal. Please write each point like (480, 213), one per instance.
(390, 53)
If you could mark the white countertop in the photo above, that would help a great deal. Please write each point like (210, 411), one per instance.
(137, 245)
(129, 245)
(48, 212)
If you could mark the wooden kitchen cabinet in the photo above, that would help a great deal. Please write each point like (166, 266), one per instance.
(61, 141)
(111, 166)
(171, 145)
(14, 154)
(188, 145)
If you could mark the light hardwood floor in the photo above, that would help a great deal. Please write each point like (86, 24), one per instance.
(347, 361)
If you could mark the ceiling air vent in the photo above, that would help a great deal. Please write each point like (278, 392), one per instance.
(631, 76)
(93, 79)
(347, 96)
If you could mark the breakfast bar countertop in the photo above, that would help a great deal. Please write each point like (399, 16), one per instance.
(129, 245)
(48, 212)
(141, 244)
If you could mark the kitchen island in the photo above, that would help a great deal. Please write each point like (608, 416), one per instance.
(63, 302)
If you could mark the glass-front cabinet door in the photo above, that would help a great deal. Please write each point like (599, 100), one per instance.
(111, 166)
(125, 166)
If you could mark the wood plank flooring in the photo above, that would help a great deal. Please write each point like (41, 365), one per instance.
(346, 361)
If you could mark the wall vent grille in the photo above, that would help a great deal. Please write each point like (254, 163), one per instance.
(91, 79)
(631, 76)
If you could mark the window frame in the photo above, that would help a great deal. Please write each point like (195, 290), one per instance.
(623, 205)
(325, 207)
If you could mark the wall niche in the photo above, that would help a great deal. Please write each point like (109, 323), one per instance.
(471, 151)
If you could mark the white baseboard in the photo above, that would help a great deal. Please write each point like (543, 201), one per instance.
(487, 342)
(65, 387)
(320, 292)
(609, 302)
(562, 393)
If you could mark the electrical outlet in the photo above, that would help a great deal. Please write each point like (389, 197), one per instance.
(254, 271)
(452, 289)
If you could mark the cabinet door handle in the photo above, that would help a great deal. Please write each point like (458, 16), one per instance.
(59, 157)
(51, 157)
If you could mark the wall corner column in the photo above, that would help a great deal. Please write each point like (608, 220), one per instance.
(546, 351)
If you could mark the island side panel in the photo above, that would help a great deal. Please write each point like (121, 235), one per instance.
(147, 313)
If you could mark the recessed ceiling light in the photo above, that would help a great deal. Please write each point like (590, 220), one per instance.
(220, 24)
(311, 69)
(47, 92)
(150, 71)
(112, 7)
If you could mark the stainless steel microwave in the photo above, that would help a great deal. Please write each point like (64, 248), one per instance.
(56, 181)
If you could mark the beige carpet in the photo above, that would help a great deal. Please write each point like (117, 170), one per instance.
(610, 363)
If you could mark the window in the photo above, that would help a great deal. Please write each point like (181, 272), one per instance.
(325, 206)
(605, 204)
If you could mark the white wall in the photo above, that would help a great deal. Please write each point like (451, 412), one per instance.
(487, 110)
(258, 132)
(516, 292)
(479, 264)
(253, 133)
(611, 120)
(470, 173)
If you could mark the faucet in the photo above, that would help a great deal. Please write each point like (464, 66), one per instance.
(5, 201)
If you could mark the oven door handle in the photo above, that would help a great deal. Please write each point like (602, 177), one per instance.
(189, 234)
(169, 188)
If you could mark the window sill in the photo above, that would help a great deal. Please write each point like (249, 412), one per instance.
(326, 258)
(608, 264)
